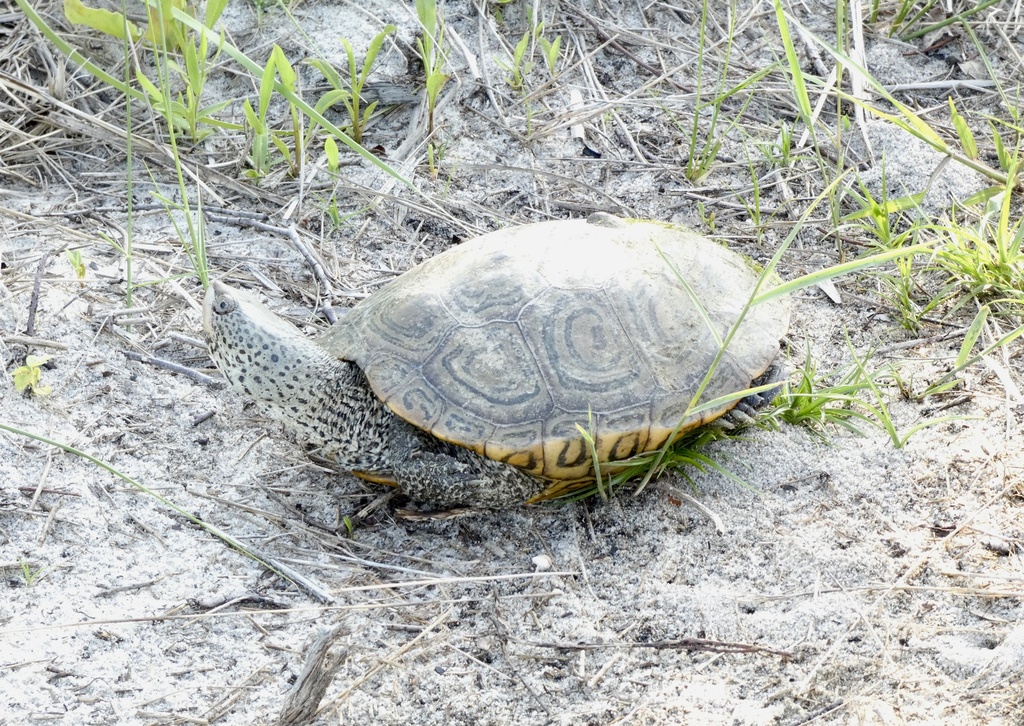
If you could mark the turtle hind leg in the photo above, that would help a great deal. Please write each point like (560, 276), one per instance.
(776, 374)
(440, 474)
(746, 410)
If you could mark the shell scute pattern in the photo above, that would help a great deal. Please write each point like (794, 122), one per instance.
(417, 318)
(494, 290)
(491, 373)
(586, 359)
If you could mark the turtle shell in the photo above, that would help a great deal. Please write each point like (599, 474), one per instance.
(510, 343)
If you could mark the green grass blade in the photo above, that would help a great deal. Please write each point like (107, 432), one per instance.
(971, 337)
(813, 278)
(373, 51)
(980, 7)
(963, 132)
(799, 87)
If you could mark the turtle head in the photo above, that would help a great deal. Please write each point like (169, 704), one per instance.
(260, 353)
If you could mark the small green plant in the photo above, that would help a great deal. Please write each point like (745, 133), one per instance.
(350, 91)
(815, 402)
(550, 49)
(196, 120)
(29, 574)
(191, 235)
(435, 155)
(1006, 159)
(707, 217)
(987, 258)
(332, 154)
(29, 376)
(262, 136)
(184, 112)
(701, 155)
(259, 147)
(875, 216)
(704, 144)
(75, 260)
(333, 213)
(336, 215)
(879, 412)
(779, 152)
(753, 201)
(428, 46)
(297, 154)
(520, 64)
(905, 292)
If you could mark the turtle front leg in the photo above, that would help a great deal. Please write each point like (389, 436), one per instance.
(434, 472)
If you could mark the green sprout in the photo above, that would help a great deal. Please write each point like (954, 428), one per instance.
(29, 574)
(75, 260)
(429, 49)
(29, 376)
(550, 50)
(259, 157)
(519, 65)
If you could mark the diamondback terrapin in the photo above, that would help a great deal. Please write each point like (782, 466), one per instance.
(465, 381)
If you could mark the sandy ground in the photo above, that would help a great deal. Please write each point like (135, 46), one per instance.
(852, 582)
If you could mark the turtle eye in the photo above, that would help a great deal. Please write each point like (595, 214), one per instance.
(224, 305)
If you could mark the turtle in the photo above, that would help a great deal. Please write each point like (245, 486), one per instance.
(469, 380)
